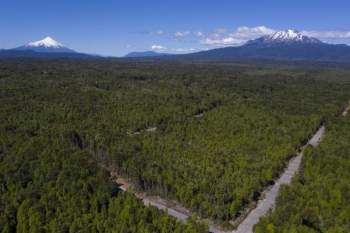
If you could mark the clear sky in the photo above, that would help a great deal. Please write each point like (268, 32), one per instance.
(116, 27)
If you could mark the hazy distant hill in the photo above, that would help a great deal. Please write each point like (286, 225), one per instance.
(145, 54)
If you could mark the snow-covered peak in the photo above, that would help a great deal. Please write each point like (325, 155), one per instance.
(290, 36)
(46, 45)
(287, 35)
(47, 42)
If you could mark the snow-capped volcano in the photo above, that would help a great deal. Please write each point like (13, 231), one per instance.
(288, 45)
(46, 42)
(286, 36)
(46, 45)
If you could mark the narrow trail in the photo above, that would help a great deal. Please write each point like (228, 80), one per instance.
(263, 206)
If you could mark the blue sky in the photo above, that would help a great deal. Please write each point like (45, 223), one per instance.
(116, 27)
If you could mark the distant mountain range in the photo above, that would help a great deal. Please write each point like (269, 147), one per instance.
(45, 48)
(289, 45)
(145, 54)
(282, 45)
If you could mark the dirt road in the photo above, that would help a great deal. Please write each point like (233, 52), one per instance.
(271, 194)
(263, 206)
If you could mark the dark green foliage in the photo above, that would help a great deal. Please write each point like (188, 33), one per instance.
(318, 200)
(49, 186)
(62, 120)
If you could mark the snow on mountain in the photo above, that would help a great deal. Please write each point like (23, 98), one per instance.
(286, 36)
(46, 45)
(46, 42)
(288, 45)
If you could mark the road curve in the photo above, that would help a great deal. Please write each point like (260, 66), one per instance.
(270, 195)
(263, 206)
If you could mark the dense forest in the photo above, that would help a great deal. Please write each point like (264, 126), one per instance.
(318, 199)
(210, 136)
(49, 186)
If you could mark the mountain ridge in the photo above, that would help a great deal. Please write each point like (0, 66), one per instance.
(283, 45)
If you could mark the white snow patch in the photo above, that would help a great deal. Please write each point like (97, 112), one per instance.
(290, 36)
(47, 42)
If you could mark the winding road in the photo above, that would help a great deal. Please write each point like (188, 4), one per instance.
(246, 226)
(263, 206)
